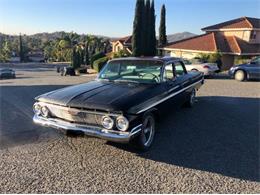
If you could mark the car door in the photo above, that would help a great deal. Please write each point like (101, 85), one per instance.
(171, 86)
(253, 69)
(182, 79)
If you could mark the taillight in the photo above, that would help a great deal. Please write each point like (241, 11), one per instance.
(206, 67)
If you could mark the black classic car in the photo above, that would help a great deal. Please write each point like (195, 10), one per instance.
(122, 104)
(246, 71)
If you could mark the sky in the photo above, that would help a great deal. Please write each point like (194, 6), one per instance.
(114, 18)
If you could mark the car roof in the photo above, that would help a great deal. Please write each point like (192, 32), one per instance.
(156, 58)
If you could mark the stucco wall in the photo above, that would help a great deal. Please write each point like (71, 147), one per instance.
(245, 35)
(183, 54)
(116, 47)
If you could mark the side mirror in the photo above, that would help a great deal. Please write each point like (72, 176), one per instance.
(253, 62)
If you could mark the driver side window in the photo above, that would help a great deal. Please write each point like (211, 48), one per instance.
(168, 74)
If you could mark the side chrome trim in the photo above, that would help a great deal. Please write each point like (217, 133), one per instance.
(176, 87)
(111, 135)
(168, 97)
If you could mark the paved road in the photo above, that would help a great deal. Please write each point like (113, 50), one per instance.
(213, 147)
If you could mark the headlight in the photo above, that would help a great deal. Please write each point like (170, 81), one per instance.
(122, 123)
(107, 122)
(37, 109)
(45, 111)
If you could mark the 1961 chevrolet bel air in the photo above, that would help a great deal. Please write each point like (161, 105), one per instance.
(121, 105)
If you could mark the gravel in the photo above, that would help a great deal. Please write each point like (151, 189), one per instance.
(211, 148)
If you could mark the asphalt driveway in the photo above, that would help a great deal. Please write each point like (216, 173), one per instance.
(213, 147)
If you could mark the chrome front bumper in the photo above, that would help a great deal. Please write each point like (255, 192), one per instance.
(111, 135)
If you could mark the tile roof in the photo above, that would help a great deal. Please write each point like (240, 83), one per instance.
(227, 44)
(205, 42)
(213, 42)
(243, 22)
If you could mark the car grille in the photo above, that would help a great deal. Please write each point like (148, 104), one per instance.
(75, 115)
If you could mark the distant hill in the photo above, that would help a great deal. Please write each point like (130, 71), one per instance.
(179, 36)
(56, 35)
(45, 36)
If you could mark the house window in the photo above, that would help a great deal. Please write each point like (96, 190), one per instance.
(253, 35)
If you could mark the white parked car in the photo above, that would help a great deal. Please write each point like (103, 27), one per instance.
(198, 65)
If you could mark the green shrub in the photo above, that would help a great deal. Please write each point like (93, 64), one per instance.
(96, 57)
(209, 57)
(242, 60)
(99, 64)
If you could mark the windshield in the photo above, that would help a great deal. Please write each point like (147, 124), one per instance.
(132, 71)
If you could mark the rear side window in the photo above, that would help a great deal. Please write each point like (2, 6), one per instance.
(179, 69)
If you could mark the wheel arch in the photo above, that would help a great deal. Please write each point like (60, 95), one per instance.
(154, 112)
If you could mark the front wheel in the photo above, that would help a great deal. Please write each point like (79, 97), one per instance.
(146, 137)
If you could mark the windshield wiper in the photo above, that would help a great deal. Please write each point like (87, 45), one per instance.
(126, 81)
(107, 80)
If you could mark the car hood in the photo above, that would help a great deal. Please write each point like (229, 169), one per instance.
(106, 96)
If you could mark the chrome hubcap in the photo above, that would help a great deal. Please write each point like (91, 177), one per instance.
(239, 75)
(192, 97)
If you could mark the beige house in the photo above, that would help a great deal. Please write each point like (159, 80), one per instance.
(124, 43)
(238, 37)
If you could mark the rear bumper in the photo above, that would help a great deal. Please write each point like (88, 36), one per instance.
(111, 135)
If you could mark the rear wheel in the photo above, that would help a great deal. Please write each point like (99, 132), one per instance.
(191, 100)
(240, 75)
(146, 137)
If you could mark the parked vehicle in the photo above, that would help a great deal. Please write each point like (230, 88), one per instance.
(65, 71)
(123, 103)
(247, 71)
(198, 65)
(7, 73)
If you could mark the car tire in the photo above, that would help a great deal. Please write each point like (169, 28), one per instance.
(194, 70)
(145, 139)
(191, 100)
(240, 75)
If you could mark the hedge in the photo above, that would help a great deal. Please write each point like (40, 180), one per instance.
(99, 64)
(96, 57)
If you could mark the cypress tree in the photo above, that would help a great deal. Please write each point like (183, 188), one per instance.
(137, 36)
(21, 52)
(162, 29)
(152, 39)
(146, 31)
(75, 61)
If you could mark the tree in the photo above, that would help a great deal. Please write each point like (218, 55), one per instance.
(75, 61)
(162, 28)
(146, 28)
(152, 40)
(21, 50)
(137, 36)
(5, 51)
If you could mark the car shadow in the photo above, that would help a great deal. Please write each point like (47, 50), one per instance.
(219, 135)
(220, 76)
(16, 125)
